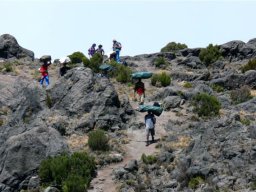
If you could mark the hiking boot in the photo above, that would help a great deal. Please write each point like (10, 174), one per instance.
(148, 143)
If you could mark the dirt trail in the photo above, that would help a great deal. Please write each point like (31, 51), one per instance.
(134, 149)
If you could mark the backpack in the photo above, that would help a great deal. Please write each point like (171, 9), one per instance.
(118, 45)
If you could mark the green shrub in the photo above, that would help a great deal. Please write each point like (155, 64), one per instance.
(187, 85)
(173, 46)
(217, 88)
(76, 57)
(210, 54)
(161, 78)
(245, 121)
(206, 105)
(48, 101)
(71, 173)
(98, 140)
(241, 95)
(121, 72)
(148, 159)
(7, 66)
(195, 182)
(95, 62)
(251, 65)
(1, 122)
(160, 62)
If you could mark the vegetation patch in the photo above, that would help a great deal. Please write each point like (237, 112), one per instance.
(195, 182)
(206, 105)
(187, 85)
(162, 79)
(148, 159)
(241, 95)
(98, 141)
(210, 54)
(217, 88)
(161, 62)
(173, 46)
(245, 121)
(251, 65)
(121, 72)
(69, 173)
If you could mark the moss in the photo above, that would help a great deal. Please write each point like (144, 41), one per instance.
(246, 122)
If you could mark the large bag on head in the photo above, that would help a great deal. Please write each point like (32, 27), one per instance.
(45, 58)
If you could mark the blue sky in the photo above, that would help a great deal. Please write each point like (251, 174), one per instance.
(60, 28)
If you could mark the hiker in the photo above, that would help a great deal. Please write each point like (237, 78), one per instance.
(100, 50)
(139, 92)
(44, 71)
(64, 68)
(117, 48)
(150, 122)
(92, 50)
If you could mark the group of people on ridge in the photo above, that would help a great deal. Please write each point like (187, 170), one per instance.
(114, 55)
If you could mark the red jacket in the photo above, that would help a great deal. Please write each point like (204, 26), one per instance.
(44, 70)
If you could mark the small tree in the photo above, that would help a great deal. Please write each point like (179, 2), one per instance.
(98, 140)
(210, 54)
(173, 46)
(206, 105)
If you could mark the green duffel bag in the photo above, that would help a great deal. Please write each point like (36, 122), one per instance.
(105, 67)
(156, 110)
(142, 75)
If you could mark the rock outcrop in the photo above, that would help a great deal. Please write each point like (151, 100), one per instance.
(9, 48)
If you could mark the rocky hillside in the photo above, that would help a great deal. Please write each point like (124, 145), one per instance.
(196, 153)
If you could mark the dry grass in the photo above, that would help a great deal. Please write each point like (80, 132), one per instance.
(77, 142)
(181, 143)
(253, 93)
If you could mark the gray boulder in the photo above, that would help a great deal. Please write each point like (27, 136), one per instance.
(9, 48)
(171, 102)
(51, 189)
(235, 80)
(193, 62)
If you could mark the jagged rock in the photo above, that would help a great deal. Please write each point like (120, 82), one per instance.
(238, 50)
(190, 52)
(193, 62)
(234, 81)
(94, 100)
(131, 166)
(34, 183)
(119, 173)
(171, 102)
(9, 47)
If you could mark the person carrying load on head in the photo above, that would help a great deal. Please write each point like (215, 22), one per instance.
(44, 71)
(100, 50)
(117, 46)
(64, 68)
(150, 122)
(92, 50)
(139, 92)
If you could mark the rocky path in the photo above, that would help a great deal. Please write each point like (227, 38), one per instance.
(134, 149)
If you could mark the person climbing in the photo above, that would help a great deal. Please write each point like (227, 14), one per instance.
(139, 92)
(150, 122)
(44, 72)
(100, 50)
(117, 48)
(92, 50)
(64, 68)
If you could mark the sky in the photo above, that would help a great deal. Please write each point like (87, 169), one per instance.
(61, 27)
